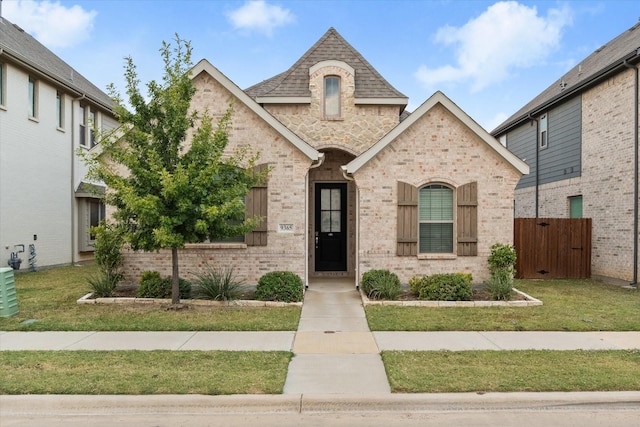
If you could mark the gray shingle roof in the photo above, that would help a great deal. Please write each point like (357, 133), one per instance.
(295, 81)
(609, 57)
(19, 45)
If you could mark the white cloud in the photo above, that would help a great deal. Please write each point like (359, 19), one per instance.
(259, 16)
(508, 35)
(51, 23)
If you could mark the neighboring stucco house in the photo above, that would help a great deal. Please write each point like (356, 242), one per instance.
(580, 140)
(356, 182)
(46, 114)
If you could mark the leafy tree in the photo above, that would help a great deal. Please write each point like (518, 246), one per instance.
(166, 169)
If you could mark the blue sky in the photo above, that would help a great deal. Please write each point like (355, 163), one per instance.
(489, 57)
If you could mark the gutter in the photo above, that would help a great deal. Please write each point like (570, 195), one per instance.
(635, 175)
(315, 164)
(74, 211)
(349, 177)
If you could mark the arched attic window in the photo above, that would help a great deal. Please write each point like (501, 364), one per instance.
(332, 97)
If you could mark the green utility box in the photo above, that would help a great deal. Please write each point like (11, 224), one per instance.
(8, 300)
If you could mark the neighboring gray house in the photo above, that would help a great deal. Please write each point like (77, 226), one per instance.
(580, 140)
(47, 112)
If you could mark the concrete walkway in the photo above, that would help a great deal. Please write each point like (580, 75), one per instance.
(335, 353)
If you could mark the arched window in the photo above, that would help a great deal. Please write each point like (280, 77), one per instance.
(435, 217)
(331, 97)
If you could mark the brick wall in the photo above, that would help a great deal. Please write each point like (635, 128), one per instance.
(437, 148)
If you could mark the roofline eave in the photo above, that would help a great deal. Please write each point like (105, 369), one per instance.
(615, 67)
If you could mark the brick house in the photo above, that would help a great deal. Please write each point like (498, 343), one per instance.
(580, 140)
(47, 114)
(356, 182)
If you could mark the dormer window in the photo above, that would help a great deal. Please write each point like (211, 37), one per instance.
(332, 97)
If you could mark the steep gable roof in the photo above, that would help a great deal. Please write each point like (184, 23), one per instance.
(435, 99)
(19, 46)
(205, 66)
(604, 62)
(295, 81)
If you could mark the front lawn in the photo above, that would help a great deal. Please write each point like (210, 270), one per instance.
(47, 302)
(143, 372)
(569, 305)
(511, 371)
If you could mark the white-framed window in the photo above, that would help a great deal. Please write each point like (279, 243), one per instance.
(92, 126)
(33, 98)
(435, 216)
(543, 134)
(3, 88)
(91, 212)
(59, 110)
(332, 97)
(82, 127)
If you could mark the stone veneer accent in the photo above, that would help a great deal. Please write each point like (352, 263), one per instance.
(359, 127)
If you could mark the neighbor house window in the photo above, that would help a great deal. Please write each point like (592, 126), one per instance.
(435, 215)
(92, 124)
(33, 98)
(60, 110)
(543, 141)
(2, 85)
(332, 97)
(575, 207)
(82, 131)
(91, 213)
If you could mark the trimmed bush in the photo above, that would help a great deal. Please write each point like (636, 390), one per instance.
(446, 287)
(154, 286)
(381, 284)
(282, 286)
(218, 284)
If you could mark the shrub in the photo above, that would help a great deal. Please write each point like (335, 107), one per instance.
(381, 284)
(154, 286)
(107, 253)
(502, 257)
(446, 287)
(218, 284)
(415, 282)
(502, 261)
(280, 286)
(103, 285)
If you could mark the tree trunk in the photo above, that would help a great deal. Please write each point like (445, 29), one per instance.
(175, 278)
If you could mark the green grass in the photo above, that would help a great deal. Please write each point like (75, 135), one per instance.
(510, 371)
(569, 305)
(143, 372)
(49, 297)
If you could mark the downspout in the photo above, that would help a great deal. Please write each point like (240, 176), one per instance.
(316, 164)
(635, 177)
(74, 214)
(537, 194)
(348, 177)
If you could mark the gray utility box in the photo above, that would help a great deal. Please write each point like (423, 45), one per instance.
(8, 299)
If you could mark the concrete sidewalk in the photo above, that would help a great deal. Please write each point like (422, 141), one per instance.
(321, 342)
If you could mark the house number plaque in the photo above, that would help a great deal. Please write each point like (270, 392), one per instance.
(285, 228)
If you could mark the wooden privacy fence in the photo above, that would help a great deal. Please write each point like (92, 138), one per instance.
(552, 248)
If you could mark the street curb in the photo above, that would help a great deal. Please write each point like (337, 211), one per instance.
(35, 405)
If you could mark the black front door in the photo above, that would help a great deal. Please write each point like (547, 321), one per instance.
(331, 226)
